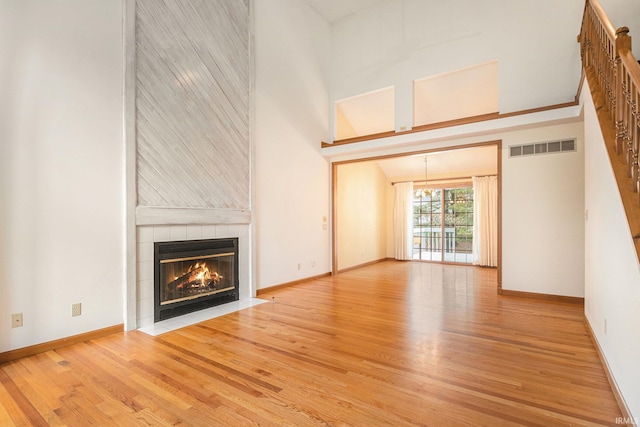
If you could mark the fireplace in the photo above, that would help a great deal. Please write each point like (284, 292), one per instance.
(192, 275)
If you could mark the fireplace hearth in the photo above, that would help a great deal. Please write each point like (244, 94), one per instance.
(192, 275)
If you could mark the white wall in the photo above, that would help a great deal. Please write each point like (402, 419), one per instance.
(292, 114)
(612, 273)
(542, 215)
(397, 41)
(361, 217)
(62, 189)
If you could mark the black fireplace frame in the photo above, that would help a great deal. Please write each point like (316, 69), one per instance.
(193, 248)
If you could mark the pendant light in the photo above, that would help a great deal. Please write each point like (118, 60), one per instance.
(424, 192)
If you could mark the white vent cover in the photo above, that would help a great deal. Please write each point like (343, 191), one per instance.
(550, 147)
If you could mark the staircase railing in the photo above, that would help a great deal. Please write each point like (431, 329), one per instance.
(614, 75)
(608, 52)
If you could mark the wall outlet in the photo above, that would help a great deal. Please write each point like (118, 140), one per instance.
(298, 266)
(76, 309)
(605, 325)
(16, 320)
(313, 264)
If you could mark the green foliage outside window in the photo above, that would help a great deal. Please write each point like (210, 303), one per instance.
(455, 206)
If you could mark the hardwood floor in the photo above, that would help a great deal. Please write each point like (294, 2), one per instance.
(395, 343)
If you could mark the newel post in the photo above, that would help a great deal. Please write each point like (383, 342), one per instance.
(622, 41)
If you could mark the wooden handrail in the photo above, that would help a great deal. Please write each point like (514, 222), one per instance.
(607, 54)
(599, 12)
(597, 48)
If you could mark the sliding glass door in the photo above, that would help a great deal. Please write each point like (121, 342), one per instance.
(443, 224)
(427, 225)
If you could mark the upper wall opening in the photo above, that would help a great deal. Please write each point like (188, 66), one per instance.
(366, 114)
(457, 94)
(468, 92)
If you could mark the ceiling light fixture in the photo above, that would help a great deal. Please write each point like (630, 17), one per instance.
(424, 191)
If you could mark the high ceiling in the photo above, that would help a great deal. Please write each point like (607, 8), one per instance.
(334, 10)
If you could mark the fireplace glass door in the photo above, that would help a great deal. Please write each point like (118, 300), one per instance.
(194, 277)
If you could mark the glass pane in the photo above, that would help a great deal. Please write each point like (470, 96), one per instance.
(454, 206)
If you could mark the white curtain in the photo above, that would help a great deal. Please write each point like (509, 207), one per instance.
(485, 221)
(403, 220)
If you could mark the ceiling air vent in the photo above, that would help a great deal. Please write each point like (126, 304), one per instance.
(550, 147)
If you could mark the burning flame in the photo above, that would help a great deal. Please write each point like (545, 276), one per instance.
(204, 275)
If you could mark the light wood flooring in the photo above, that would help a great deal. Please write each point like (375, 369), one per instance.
(395, 343)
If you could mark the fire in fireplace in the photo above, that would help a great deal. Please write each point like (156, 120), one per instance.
(194, 274)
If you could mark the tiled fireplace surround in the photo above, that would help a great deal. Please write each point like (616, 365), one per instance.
(147, 235)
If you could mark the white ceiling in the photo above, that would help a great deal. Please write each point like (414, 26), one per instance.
(334, 10)
(449, 163)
